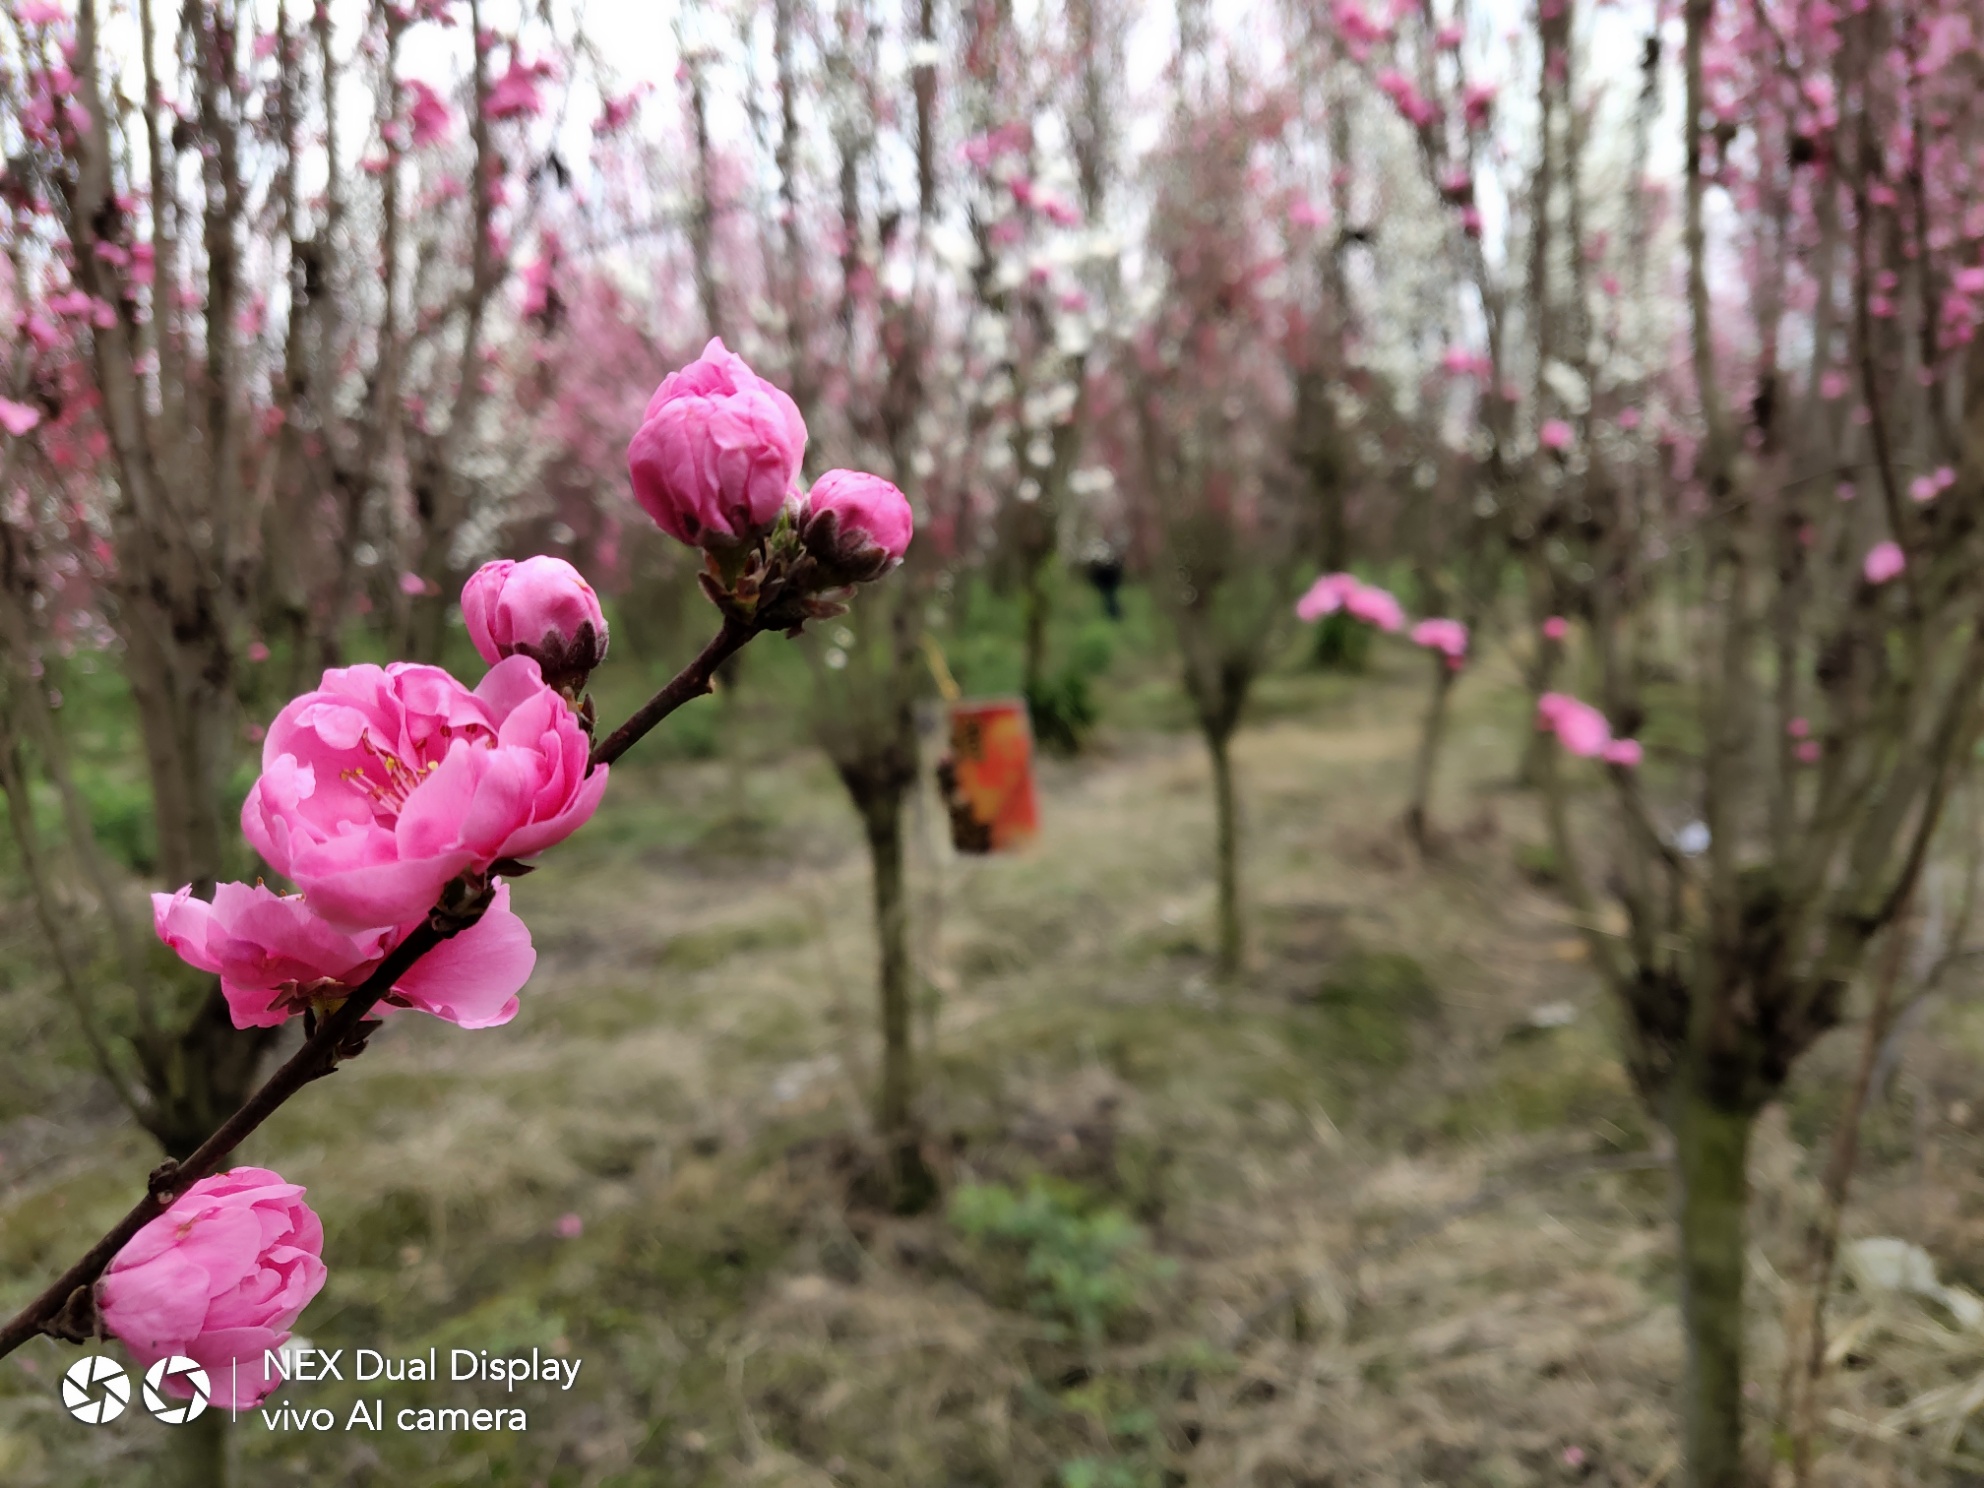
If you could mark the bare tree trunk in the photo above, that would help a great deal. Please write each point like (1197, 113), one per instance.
(911, 1185)
(1711, 1157)
(1231, 945)
(196, 1453)
(1430, 735)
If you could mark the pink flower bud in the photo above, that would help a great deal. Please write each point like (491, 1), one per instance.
(856, 526)
(1798, 728)
(1808, 752)
(1556, 628)
(219, 1277)
(717, 452)
(1554, 435)
(541, 608)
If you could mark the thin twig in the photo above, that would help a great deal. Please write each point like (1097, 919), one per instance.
(693, 681)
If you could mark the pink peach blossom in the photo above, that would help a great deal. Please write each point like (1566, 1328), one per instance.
(275, 957)
(541, 608)
(17, 418)
(717, 452)
(427, 114)
(384, 783)
(1346, 592)
(1325, 596)
(1579, 727)
(1884, 560)
(1449, 637)
(514, 94)
(220, 1276)
(856, 526)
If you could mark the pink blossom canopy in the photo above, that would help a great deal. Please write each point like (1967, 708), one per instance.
(219, 1277)
(386, 782)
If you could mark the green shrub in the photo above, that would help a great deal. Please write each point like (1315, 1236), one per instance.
(1083, 1271)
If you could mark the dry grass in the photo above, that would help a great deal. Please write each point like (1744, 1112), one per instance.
(1412, 1238)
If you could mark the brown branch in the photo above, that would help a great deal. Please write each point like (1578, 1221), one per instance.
(316, 1058)
(691, 682)
(319, 1054)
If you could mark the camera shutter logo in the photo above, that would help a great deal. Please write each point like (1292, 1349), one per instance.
(82, 1379)
(168, 1410)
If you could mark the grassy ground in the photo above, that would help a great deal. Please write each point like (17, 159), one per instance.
(1383, 1213)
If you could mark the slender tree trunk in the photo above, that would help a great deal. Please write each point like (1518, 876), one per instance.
(196, 1453)
(1227, 851)
(1038, 605)
(1430, 735)
(1711, 1157)
(910, 1183)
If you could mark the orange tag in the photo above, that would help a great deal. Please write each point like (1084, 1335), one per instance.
(988, 777)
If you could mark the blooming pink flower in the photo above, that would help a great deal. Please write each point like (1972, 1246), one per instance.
(1579, 727)
(427, 113)
(1556, 628)
(717, 451)
(1346, 592)
(275, 957)
(1923, 488)
(856, 526)
(221, 1276)
(1884, 560)
(39, 13)
(1625, 753)
(384, 783)
(1449, 637)
(1554, 435)
(514, 94)
(17, 418)
(1325, 596)
(1306, 212)
(541, 608)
